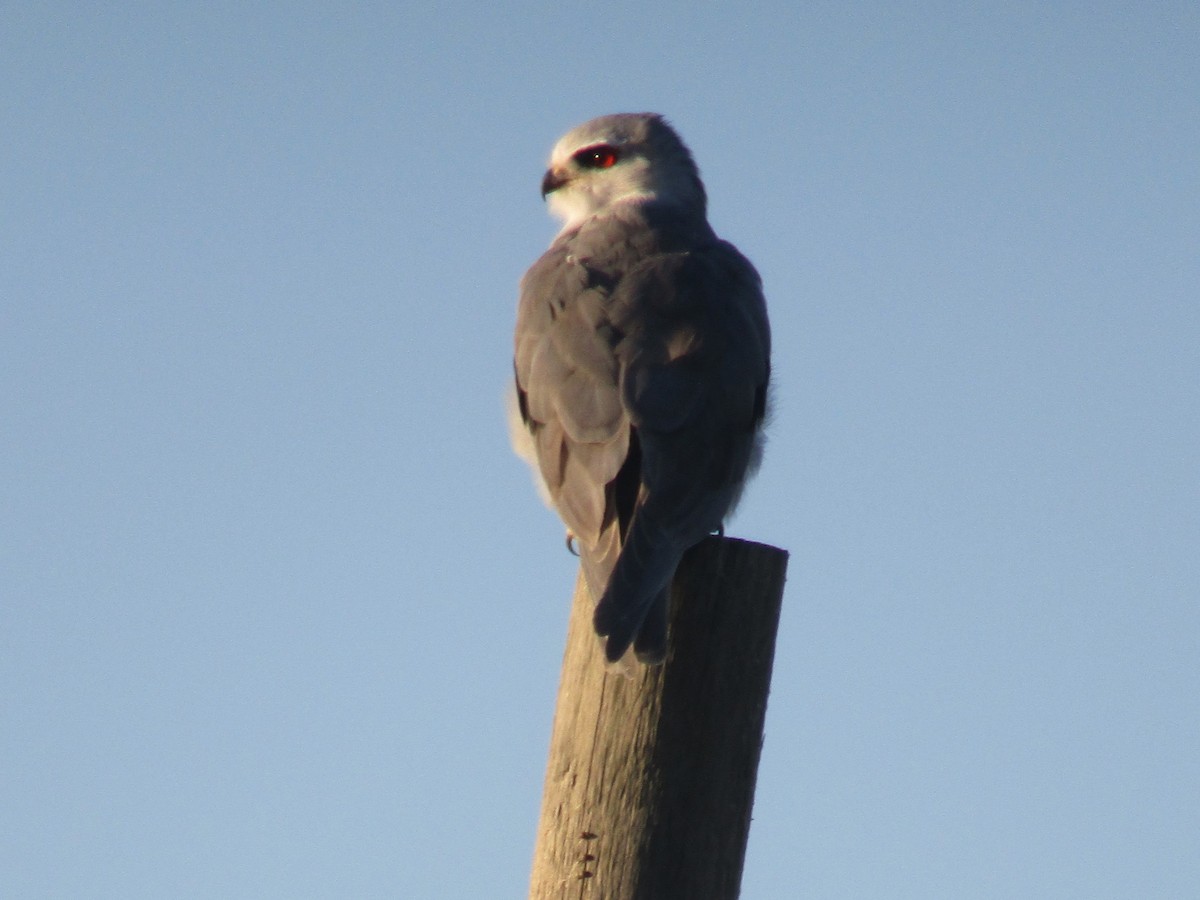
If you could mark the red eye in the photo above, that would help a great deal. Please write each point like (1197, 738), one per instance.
(602, 156)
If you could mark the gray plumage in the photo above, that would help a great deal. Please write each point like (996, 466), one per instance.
(642, 363)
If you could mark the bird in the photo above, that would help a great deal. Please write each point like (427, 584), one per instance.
(641, 369)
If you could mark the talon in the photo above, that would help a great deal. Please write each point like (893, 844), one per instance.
(572, 547)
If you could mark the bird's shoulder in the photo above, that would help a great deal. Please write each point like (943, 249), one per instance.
(614, 243)
(639, 276)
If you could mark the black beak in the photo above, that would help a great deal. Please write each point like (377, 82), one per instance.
(552, 182)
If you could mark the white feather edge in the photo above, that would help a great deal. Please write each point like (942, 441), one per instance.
(522, 442)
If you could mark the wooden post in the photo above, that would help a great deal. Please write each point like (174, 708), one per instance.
(651, 777)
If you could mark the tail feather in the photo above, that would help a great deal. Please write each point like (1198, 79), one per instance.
(638, 585)
(650, 645)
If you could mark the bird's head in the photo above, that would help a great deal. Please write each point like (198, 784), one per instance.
(629, 157)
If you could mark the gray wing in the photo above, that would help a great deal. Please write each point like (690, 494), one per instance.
(695, 365)
(568, 393)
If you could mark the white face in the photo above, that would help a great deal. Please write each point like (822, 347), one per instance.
(594, 175)
(616, 160)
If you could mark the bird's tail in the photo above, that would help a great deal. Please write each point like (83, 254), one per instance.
(634, 607)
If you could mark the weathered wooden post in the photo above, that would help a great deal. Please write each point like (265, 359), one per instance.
(650, 780)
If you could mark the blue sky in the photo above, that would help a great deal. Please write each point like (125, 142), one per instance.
(281, 616)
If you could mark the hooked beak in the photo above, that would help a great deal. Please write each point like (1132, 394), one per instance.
(555, 178)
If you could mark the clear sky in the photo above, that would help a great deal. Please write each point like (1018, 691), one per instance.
(280, 614)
